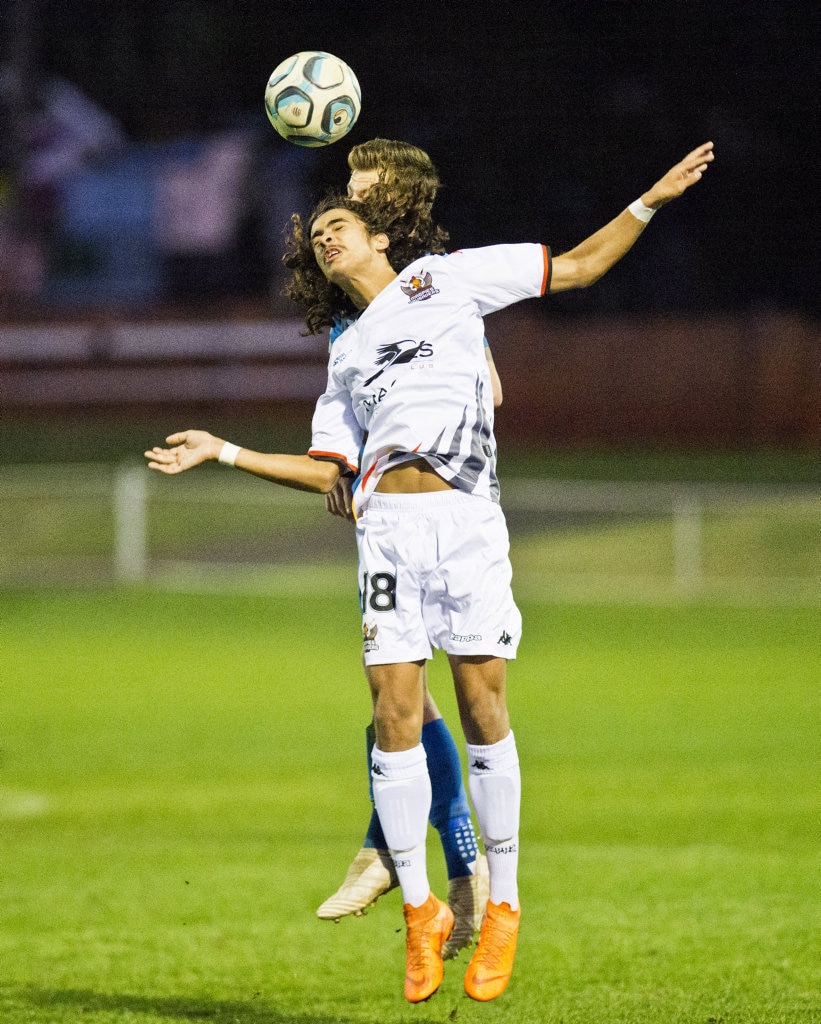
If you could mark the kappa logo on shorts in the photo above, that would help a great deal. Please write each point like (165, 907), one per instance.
(369, 636)
(505, 638)
(469, 638)
(419, 287)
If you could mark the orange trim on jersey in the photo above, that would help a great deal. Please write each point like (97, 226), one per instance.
(367, 475)
(548, 270)
(333, 456)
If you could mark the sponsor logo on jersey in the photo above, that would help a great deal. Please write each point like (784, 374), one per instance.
(397, 352)
(419, 287)
(369, 637)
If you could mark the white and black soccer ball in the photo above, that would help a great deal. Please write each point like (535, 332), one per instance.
(312, 98)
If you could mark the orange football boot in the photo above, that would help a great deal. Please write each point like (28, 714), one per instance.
(428, 929)
(492, 964)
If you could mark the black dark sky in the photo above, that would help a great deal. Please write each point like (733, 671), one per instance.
(544, 118)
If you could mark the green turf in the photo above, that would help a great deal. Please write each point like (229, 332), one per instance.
(761, 550)
(183, 782)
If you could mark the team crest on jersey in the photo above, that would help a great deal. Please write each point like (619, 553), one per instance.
(419, 287)
(369, 636)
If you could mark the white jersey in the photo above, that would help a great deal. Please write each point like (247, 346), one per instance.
(411, 375)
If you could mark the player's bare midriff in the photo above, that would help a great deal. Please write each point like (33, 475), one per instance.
(414, 477)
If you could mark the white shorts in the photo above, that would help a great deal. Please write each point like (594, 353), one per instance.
(434, 572)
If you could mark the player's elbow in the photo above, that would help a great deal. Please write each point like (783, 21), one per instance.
(570, 271)
(588, 271)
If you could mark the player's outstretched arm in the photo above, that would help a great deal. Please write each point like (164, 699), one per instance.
(190, 448)
(588, 261)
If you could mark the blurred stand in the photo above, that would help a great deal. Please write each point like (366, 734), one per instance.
(22, 250)
(137, 273)
(94, 224)
(687, 380)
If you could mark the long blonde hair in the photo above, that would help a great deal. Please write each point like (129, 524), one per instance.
(406, 169)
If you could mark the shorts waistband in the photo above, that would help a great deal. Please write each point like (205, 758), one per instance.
(420, 501)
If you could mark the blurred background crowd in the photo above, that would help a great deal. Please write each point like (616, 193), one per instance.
(137, 167)
(141, 182)
(144, 196)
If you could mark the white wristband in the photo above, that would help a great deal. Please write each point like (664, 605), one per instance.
(640, 211)
(228, 454)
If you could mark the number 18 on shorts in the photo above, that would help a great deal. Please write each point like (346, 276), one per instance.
(434, 572)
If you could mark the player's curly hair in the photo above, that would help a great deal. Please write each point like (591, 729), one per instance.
(410, 235)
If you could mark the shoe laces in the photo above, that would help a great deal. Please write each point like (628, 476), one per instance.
(419, 951)
(494, 945)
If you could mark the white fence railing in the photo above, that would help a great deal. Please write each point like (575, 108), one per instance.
(97, 523)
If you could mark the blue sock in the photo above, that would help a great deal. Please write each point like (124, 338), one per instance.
(374, 837)
(450, 811)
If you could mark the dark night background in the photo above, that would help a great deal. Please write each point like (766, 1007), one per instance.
(545, 119)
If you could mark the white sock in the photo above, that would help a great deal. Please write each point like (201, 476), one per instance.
(496, 791)
(402, 795)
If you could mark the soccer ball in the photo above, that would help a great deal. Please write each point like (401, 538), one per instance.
(312, 98)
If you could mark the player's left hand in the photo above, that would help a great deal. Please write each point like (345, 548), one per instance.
(679, 178)
(338, 500)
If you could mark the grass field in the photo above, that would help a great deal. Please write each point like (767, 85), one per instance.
(182, 783)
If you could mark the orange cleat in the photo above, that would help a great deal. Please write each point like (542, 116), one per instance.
(428, 928)
(492, 964)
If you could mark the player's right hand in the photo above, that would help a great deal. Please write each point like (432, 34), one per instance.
(189, 448)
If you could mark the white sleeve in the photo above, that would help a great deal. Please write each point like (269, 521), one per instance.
(335, 434)
(499, 275)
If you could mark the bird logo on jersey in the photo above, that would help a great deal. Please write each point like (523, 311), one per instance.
(419, 287)
(399, 352)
